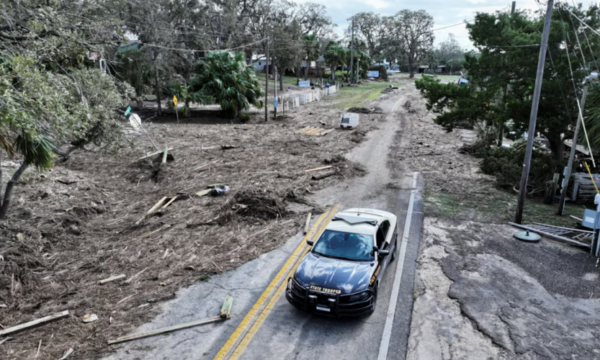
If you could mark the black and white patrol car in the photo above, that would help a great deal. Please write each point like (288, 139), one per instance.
(342, 271)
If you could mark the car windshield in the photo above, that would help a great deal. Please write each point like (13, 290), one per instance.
(343, 245)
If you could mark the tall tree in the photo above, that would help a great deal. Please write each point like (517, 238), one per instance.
(410, 34)
(450, 53)
(371, 28)
(311, 47)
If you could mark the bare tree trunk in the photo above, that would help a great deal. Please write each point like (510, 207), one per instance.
(333, 73)
(306, 71)
(411, 67)
(156, 84)
(281, 80)
(9, 189)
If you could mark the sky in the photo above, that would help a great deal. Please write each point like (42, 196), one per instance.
(445, 12)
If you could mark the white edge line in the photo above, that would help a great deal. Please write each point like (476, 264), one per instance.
(391, 313)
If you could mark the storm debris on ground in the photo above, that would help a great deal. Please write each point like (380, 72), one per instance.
(86, 220)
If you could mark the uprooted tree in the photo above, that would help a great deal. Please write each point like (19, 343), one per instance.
(52, 100)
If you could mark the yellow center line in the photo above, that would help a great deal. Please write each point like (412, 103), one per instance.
(267, 310)
(323, 219)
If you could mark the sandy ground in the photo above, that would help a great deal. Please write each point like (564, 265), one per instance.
(479, 293)
(84, 221)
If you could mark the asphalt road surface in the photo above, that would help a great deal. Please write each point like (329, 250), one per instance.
(263, 325)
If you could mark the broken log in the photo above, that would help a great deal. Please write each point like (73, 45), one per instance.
(166, 330)
(112, 278)
(33, 323)
(154, 154)
(307, 225)
(319, 168)
(323, 175)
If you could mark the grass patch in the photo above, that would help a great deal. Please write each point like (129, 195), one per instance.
(348, 97)
(496, 207)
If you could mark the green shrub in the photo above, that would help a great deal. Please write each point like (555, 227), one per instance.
(245, 117)
(506, 164)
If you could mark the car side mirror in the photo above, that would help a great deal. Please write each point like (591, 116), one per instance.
(384, 252)
(310, 242)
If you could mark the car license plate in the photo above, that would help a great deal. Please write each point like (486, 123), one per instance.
(323, 308)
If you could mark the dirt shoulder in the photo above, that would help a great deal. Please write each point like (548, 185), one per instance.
(85, 221)
(480, 293)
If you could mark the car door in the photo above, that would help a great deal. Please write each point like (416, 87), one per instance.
(383, 243)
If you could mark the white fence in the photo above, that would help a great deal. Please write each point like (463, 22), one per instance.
(287, 102)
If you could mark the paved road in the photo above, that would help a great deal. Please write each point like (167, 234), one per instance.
(263, 324)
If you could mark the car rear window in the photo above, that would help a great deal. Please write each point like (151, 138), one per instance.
(346, 121)
(344, 245)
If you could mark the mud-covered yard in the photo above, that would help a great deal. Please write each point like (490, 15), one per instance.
(85, 221)
(480, 293)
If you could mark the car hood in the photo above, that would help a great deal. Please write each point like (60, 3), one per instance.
(344, 275)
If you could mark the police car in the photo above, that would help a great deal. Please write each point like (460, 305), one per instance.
(342, 272)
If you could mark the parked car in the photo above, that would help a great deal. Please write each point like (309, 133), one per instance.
(341, 274)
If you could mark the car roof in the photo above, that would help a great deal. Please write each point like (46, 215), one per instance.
(359, 221)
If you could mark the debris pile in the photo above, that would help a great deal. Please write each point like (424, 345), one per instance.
(257, 204)
(363, 110)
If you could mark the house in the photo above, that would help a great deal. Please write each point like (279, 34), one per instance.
(259, 62)
(423, 69)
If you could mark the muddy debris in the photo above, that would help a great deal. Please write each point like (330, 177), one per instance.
(363, 110)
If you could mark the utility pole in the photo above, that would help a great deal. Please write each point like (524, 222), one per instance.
(357, 69)
(534, 109)
(267, 77)
(275, 100)
(352, 52)
(512, 9)
(567, 172)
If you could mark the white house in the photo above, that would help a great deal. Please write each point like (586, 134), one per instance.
(259, 62)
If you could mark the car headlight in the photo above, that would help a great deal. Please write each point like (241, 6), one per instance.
(359, 297)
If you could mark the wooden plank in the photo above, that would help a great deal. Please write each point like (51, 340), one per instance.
(204, 192)
(157, 205)
(323, 175)
(33, 323)
(134, 277)
(170, 201)
(112, 278)
(307, 224)
(153, 154)
(319, 168)
(164, 160)
(166, 330)
(226, 308)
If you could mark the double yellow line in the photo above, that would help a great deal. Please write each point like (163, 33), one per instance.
(239, 340)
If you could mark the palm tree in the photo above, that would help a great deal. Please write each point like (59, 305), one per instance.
(36, 150)
(311, 50)
(335, 56)
(228, 81)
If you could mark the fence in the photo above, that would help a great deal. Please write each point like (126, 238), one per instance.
(288, 102)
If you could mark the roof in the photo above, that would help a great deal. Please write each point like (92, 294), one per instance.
(580, 148)
(356, 220)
